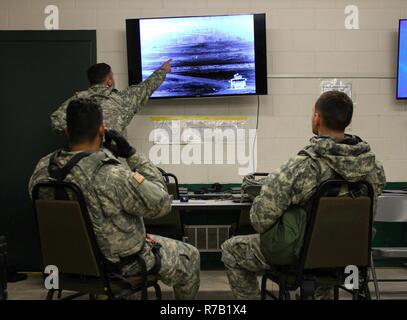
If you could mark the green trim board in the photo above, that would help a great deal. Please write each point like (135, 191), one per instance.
(198, 186)
(396, 185)
(226, 186)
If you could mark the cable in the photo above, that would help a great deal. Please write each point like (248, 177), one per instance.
(255, 135)
(258, 112)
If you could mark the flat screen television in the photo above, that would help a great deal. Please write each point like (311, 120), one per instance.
(402, 61)
(212, 55)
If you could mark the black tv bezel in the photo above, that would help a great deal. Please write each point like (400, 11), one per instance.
(398, 64)
(260, 47)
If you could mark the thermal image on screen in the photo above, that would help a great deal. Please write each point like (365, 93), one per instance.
(402, 72)
(211, 55)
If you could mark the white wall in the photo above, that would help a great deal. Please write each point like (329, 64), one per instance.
(306, 42)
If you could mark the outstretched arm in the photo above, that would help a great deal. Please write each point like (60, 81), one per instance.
(136, 96)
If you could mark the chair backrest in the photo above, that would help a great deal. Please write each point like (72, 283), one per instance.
(173, 187)
(339, 229)
(66, 233)
(391, 208)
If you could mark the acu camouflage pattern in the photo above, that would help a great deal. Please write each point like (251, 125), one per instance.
(296, 181)
(250, 186)
(180, 265)
(293, 184)
(119, 107)
(117, 204)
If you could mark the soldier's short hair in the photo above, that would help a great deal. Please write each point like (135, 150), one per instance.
(83, 118)
(336, 109)
(98, 73)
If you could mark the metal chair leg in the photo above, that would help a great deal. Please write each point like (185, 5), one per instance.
(355, 294)
(336, 293)
(157, 289)
(283, 293)
(50, 294)
(307, 290)
(367, 291)
(144, 294)
(281, 290)
(375, 282)
(365, 284)
(263, 287)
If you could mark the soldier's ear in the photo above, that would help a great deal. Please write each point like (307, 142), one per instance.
(102, 130)
(110, 80)
(317, 118)
(66, 133)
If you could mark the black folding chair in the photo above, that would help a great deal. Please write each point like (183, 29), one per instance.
(68, 241)
(338, 234)
(173, 187)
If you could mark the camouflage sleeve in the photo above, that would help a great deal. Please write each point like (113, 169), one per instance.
(146, 168)
(135, 96)
(377, 179)
(250, 180)
(33, 181)
(143, 198)
(58, 117)
(381, 178)
(40, 174)
(292, 184)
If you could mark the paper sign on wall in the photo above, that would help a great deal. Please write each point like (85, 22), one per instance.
(337, 85)
(194, 129)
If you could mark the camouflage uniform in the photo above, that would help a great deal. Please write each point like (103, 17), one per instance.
(293, 184)
(119, 107)
(117, 203)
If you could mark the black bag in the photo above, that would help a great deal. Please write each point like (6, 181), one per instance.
(3, 268)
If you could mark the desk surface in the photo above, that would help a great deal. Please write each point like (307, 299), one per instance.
(210, 204)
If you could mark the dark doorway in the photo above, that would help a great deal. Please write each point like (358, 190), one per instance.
(38, 71)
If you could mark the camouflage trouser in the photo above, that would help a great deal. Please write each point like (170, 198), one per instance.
(244, 262)
(180, 264)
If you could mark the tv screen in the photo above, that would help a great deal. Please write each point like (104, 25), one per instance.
(211, 55)
(402, 62)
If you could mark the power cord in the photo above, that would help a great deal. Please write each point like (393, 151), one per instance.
(255, 134)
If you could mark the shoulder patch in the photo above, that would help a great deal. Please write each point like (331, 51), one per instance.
(138, 177)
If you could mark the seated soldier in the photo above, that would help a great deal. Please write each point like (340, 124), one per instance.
(330, 154)
(118, 198)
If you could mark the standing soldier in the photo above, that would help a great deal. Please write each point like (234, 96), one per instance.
(118, 198)
(288, 190)
(119, 107)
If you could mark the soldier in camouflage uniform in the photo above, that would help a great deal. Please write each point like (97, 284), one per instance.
(118, 198)
(330, 153)
(119, 107)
